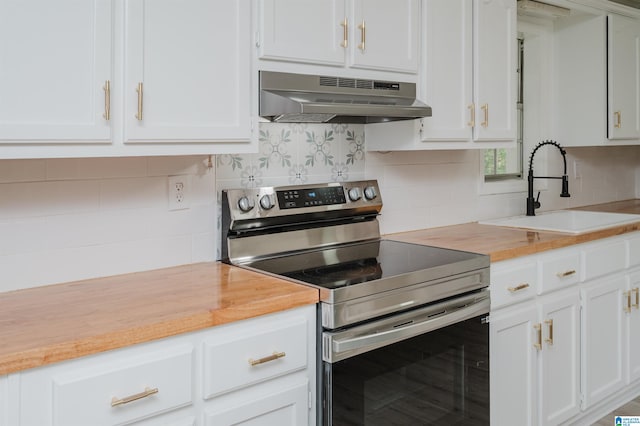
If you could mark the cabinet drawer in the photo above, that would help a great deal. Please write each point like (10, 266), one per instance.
(123, 391)
(512, 283)
(603, 259)
(559, 271)
(273, 348)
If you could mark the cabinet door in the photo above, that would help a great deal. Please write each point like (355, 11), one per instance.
(187, 71)
(559, 390)
(512, 358)
(495, 65)
(385, 35)
(623, 77)
(55, 58)
(304, 31)
(632, 315)
(448, 75)
(602, 339)
(287, 407)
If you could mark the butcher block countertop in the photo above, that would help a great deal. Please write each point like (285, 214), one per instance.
(507, 243)
(48, 324)
(43, 325)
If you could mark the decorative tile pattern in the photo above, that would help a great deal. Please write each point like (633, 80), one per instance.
(296, 153)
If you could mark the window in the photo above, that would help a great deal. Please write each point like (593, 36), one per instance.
(507, 163)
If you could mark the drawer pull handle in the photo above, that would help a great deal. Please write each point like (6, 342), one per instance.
(627, 294)
(518, 287)
(637, 292)
(485, 108)
(121, 401)
(272, 357)
(549, 339)
(566, 273)
(538, 329)
(472, 115)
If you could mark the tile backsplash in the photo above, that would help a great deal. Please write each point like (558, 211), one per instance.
(292, 154)
(71, 219)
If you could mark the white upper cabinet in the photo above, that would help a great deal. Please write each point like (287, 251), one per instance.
(367, 34)
(187, 71)
(55, 59)
(386, 35)
(124, 78)
(597, 86)
(303, 30)
(624, 77)
(469, 79)
(495, 70)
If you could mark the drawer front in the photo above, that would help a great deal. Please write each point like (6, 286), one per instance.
(513, 284)
(602, 259)
(271, 349)
(123, 391)
(559, 271)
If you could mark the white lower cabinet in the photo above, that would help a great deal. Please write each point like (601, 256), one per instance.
(259, 371)
(534, 361)
(570, 353)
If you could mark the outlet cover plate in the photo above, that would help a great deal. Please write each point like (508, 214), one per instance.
(179, 192)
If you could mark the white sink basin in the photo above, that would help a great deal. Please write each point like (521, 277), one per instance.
(571, 221)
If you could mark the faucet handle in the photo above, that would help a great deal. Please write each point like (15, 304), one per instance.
(536, 204)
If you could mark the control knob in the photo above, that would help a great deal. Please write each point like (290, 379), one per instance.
(354, 194)
(245, 204)
(265, 202)
(370, 193)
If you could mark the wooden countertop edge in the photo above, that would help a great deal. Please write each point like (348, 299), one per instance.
(563, 240)
(49, 354)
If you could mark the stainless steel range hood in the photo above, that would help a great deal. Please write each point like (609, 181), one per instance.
(289, 98)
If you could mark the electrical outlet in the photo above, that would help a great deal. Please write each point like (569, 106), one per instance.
(178, 192)
(577, 172)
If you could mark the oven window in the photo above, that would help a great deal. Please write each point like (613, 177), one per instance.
(438, 378)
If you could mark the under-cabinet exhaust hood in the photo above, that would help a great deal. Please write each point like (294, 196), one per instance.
(301, 98)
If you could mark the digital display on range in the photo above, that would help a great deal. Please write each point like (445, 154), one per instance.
(298, 198)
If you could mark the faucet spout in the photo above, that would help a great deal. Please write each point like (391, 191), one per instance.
(533, 204)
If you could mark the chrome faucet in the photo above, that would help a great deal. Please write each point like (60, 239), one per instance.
(533, 204)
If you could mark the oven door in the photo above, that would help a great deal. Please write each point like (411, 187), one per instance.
(426, 367)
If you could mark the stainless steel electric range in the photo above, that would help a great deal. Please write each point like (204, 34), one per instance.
(403, 331)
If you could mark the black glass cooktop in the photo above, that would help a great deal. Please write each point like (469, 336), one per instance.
(352, 264)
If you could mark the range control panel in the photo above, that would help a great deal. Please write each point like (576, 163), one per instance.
(255, 203)
(296, 198)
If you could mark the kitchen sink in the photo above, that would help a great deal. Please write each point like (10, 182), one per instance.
(570, 221)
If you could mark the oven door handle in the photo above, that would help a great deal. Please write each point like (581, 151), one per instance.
(336, 348)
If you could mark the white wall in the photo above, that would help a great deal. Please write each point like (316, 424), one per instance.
(70, 219)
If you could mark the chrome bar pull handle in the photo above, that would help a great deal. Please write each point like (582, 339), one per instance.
(140, 94)
(345, 33)
(272, 357)
(363, 36)
(107, 100)
(472, 115)
(485, 109)
(518, 287)
(538, 343)
(549, 339)
(144, 394)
